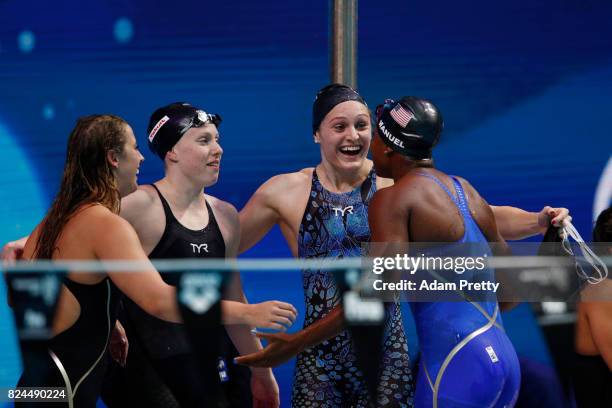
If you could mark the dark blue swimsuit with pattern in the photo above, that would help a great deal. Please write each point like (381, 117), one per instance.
(335, 225)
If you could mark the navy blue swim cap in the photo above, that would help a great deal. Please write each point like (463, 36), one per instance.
(169, 123)
(330, 96)
(410, 126)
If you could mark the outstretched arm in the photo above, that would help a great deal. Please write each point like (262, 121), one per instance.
(115, 239)
(258, 216)
(282, 347)
(489, 225)
(272, 314)
(514, 223)
(263, 384)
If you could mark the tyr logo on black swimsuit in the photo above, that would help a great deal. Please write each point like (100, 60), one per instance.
(197, 248)
(342, 211)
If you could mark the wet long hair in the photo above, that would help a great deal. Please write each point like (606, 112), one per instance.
(88, 176)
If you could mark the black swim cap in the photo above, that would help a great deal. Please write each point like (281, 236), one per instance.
(169, 123)
(330, 96)
(410, 126)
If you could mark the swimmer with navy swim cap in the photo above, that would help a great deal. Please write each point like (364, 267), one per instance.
(410, 126)
(169, 123)
(162, 369)
(322, 211)
(466, 357)
(310, 204)
(327, 99)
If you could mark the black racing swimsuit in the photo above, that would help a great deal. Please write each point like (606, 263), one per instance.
(77, 357)
(165, 345)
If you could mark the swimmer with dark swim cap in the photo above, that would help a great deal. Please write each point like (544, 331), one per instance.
(416, 127)
(344, 139)
(171, 216)
(168, 124)
(327, 99)
(322, 212)
(466, 357)
(410, 126)
(187, 140)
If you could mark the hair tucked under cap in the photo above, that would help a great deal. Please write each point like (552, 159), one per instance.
(330, 96)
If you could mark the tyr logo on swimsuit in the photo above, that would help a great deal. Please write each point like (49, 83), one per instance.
(342, 211)
(197, 248)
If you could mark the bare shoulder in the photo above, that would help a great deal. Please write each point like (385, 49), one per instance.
(387, 214)
(137, 204)
(222, 208)
(466, 184)
(392, 199)
(281, 183)
(480, 211)
(412, 186)
(228, 221)
(30, 245)
(280, 192)
(110, 236)
(473, 197)
(96, 227)
(143, 196)
(102, 221)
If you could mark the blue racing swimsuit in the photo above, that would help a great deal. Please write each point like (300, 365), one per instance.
(466, 358)
(335, 225)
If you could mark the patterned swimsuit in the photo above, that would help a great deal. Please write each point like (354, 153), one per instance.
(335, 225)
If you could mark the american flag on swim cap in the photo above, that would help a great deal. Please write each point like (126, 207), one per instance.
(401, 115)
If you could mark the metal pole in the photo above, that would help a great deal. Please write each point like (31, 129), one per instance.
(343, 42)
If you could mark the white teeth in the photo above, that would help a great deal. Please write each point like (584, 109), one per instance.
(350, 148)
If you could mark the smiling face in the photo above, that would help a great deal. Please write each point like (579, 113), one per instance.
(197, 155)
(345, 135)
(128, 164)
